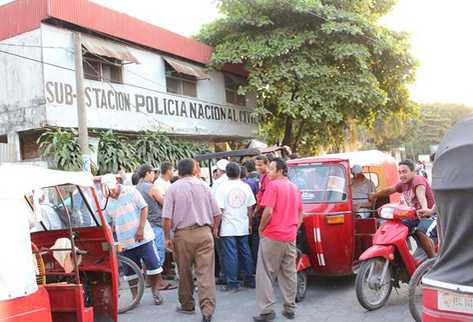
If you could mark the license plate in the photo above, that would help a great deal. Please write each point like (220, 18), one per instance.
(455, 302)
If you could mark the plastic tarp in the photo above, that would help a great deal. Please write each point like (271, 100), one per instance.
(452, 182)
(17, 269)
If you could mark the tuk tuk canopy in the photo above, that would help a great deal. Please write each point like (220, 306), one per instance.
(452, 183)
(17, 271)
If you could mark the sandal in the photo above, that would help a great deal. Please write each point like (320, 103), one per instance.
(168, 287)
(158, 299)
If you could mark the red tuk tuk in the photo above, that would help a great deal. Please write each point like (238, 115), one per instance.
(448, 287)
(333, 236)
(59, 262)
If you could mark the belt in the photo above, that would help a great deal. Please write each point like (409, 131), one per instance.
(192, 227)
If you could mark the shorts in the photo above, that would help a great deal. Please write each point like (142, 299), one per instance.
(146, 253)
(426, 225)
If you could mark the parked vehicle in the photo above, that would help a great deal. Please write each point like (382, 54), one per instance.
(389, 261)
(448, 286)
(66, 268)
(333, 236)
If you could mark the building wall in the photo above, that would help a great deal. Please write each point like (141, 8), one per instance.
(145, 89)
(22, 103)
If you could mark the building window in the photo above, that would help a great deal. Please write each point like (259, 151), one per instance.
(102, 69)
(180, 84)
(231, 90)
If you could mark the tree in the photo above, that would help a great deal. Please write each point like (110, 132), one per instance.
(417, 134)
(316, 65)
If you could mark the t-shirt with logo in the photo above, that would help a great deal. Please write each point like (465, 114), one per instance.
(408, 191)
(234, 197)
(285, 200)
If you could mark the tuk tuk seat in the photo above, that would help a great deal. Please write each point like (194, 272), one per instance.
(67, 303)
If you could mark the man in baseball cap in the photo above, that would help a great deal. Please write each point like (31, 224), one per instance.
(128, 212)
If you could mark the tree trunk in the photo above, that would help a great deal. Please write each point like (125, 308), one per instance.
(295, 144)
(287, 132)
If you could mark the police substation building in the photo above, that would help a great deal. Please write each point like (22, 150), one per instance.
(137, 77)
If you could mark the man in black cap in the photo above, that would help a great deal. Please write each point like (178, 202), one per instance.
(152, 196)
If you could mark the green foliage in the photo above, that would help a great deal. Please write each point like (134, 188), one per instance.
(61, 146)
(115, 153)
(416, 134)
(154, 147)
(315, 65)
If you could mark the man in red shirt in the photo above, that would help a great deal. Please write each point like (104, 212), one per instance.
(262, 166)
(417, 193)
(282, 216)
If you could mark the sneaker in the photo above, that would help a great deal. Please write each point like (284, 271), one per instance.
(268, 317)
(221, 281)
(289, 315)
(206, 318)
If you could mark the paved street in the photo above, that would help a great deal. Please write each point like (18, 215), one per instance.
(328, 300)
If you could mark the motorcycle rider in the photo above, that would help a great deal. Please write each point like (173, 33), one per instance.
(417, 193)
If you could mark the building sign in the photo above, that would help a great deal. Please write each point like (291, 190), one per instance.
(128, 108)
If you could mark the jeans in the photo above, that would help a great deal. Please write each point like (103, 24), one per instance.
(160, 244)
(237, 256)
(255, 242)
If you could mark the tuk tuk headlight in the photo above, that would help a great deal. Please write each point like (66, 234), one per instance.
(387, 213)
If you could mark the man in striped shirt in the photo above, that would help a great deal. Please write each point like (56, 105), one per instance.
(128, 213)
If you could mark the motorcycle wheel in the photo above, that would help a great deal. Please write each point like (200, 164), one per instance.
(301, 286)
(372, 289)
(415, 289)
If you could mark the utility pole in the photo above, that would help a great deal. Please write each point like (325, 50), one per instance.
(81, 108)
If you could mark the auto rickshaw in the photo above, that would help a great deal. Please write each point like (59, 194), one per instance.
(333, 236)
(448, 287)
(59, 263)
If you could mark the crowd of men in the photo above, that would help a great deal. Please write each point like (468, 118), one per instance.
(248, 218)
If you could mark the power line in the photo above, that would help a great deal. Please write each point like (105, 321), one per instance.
(122, 83)
(33, 46)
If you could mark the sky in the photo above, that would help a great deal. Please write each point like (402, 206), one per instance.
(440, 36)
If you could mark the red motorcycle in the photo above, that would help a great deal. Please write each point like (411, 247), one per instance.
(389, 260)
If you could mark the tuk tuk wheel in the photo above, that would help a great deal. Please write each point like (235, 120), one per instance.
(373, 283)
(301, 286)
(415, 289)
(131, 284)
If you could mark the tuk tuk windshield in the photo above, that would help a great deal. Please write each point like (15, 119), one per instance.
(56, 203)
(320, 182)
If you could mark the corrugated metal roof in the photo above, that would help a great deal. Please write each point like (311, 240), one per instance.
(187, 69)
(108, 49)
(22, 16)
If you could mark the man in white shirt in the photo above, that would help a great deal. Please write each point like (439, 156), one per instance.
(164, 180)
(220, 175)
(236, 200)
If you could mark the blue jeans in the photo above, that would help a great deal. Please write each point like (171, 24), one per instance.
(160, 244)
(237, 256)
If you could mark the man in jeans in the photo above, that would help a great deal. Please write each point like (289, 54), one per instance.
(235, 199)
(281, 218)
(192, 212)
(128, 212)
(154, 199)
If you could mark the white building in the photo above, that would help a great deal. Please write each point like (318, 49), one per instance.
(137, 77)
